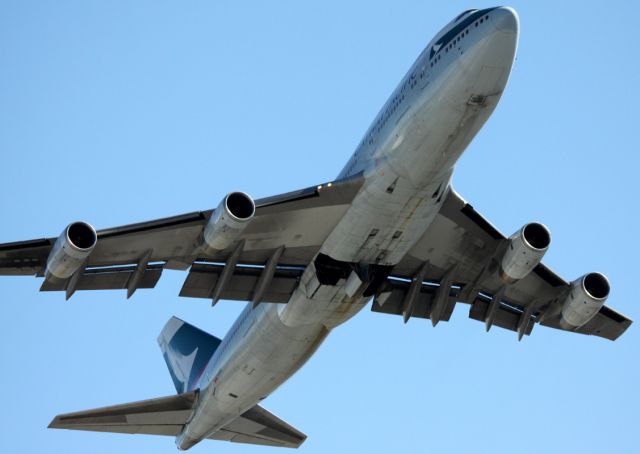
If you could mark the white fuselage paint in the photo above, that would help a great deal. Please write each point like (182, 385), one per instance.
(407, 157)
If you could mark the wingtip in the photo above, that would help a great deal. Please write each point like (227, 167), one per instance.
(55, 423)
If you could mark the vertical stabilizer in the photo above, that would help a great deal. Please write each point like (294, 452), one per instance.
(187, 350)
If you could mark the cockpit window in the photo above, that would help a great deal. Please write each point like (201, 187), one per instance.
(464, 14)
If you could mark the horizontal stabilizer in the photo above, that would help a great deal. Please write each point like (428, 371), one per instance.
(258, 426)
(161, 416)
(168, 415)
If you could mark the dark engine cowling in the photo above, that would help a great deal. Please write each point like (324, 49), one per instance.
(71, 249)
(585, 299)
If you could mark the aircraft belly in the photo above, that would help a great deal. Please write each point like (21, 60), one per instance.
(270, 353)
(448, 118)
(385, 219)
(313, 303)
(397, 203)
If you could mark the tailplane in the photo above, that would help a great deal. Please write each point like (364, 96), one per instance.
(168, 416)
(161, 416)
(187, 351)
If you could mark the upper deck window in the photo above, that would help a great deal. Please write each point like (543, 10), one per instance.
(460, 16)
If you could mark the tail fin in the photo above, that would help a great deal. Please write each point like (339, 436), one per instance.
(187, 350)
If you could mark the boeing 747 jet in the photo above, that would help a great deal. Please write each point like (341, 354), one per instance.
(389, 230)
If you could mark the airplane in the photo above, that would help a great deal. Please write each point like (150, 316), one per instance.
(389, 229)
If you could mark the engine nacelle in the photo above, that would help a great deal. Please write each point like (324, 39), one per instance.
(229, 220)
(71, 249)
(525, 250)
(585, 299)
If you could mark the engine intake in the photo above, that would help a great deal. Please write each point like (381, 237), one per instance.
(71, 249)
(585, 299)
(230, 218)
(525, 251)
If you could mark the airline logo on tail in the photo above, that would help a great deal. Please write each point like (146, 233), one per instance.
(187, 351)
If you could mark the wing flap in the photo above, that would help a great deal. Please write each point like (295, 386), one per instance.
(394, 302)
(507, 316)
(108, 278)
(203, 277)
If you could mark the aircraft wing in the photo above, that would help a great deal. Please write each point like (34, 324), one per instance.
(460, 249)
(168, 415)
(133, 256)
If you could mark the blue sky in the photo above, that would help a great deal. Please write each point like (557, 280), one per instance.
(118, 112)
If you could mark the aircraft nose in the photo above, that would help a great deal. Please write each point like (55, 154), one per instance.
(505, 19)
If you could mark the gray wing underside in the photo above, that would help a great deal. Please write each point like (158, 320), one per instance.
(299, 221)
(261, 427)
(168, 415)
(161, 416)
(459, 239)
(462, 242)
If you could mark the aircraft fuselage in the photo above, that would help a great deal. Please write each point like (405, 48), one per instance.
(407, 158)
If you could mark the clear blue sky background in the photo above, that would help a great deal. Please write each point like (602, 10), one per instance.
(118, 112)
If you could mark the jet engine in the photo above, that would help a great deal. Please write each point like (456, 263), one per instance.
(585, 299)
(525, 250)
(71, 249)
(229, 220)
